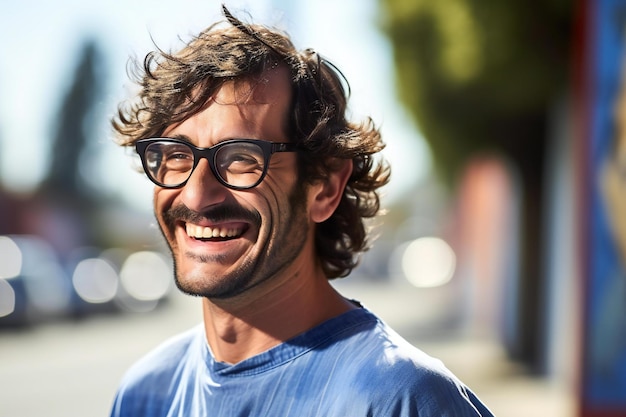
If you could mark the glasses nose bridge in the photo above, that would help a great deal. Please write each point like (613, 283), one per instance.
(204, 153)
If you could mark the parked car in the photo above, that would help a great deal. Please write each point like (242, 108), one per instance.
(37, 285)
(33, 284)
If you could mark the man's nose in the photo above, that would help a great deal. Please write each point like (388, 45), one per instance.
(202, 188)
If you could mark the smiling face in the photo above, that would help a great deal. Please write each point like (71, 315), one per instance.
(225, 241)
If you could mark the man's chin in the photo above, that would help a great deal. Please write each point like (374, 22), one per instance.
(212, 293)
(198, 286)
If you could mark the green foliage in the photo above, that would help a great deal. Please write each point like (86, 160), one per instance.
(475, 74)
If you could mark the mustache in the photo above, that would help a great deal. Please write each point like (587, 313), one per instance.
(217, 214)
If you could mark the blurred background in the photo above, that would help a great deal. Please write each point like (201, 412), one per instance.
(503, 247)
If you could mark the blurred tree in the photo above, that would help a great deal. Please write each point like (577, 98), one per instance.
(481, 76)
(73, 128)
(70, 205)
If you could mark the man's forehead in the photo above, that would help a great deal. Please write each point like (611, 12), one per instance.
(273, 86)
(260, 100)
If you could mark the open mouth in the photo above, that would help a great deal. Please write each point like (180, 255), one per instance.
(215, 233)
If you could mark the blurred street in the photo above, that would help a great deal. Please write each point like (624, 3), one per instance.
(71, 369)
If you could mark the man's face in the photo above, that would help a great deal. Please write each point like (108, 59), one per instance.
(260, 232)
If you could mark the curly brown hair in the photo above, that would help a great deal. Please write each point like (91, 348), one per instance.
(175, 86)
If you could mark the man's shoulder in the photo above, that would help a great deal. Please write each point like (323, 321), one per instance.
(392, 355)
(366, 349)
(379, 344)
(146, 387)
(386, 371)
(166, 357)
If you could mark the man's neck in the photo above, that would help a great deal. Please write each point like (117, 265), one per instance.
(239, 329)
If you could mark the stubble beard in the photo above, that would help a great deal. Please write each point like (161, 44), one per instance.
(283, 249)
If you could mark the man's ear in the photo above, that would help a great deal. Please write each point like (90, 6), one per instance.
(324, 196)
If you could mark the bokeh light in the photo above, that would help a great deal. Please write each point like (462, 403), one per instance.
(10, 258)
(428, 262)
(95, 280)
(7, 298)
(146, 276)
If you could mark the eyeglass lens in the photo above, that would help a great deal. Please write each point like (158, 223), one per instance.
(238, 164)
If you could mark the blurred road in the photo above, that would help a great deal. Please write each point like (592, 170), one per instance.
(71, 369)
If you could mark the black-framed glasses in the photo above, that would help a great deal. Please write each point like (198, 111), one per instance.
(238, 164)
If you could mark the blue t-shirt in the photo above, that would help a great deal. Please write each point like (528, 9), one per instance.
(353, 365)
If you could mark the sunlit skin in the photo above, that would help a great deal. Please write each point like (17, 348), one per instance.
(261, 284)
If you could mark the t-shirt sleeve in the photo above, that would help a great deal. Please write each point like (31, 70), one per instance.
(434, 394)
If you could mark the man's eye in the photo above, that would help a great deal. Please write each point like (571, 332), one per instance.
(240, 162)
(243, 158)
(179, 155)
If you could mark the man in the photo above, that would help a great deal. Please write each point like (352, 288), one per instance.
(262, 187)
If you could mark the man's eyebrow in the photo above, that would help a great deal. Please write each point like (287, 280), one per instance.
(187, 139)
(182, 137)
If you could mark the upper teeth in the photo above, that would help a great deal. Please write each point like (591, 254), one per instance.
(209, 232)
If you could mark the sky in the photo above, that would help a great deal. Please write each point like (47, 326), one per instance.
(40, 40)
